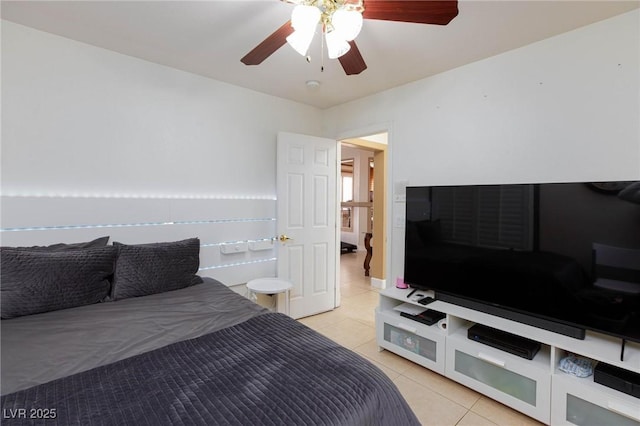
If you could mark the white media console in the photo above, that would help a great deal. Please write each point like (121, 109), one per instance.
(537, 387)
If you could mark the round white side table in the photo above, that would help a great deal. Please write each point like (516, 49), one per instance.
(270, 286)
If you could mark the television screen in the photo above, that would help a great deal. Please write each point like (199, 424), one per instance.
(560, 256)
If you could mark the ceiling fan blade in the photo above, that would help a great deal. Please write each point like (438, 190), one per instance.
(439, 12)
(268, 46)
(352, 61)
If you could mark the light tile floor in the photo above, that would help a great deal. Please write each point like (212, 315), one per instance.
(434, 399)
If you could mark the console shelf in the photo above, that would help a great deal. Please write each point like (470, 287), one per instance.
(536, 387)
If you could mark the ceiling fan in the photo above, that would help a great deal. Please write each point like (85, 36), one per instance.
(299, 30)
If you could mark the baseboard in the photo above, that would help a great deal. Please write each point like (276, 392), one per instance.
(378, 283)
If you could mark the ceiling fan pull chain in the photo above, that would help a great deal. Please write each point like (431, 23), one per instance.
(322, 53)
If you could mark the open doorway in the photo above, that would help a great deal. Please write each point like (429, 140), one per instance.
(362, 209)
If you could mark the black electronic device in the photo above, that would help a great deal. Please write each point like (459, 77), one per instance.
(617, 378)
(426, 300)
(428, 317)
(502, 340)
(525, 252)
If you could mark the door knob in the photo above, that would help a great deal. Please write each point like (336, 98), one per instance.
(284, 238)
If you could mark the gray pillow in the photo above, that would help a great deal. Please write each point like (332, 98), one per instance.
(35, 281)
(145, 269)
(98, 242)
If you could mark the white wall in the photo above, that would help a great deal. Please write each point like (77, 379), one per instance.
(135, 142)
(563, 109)
(84, 120)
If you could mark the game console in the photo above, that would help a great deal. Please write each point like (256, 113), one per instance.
(504, 341)
(428, 317)
(617, 378)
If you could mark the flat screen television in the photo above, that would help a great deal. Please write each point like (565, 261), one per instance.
(537, 253)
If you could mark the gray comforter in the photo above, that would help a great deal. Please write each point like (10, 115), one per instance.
(39, 348)
(267, 369)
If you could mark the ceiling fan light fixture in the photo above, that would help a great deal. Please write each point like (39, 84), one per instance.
(347, 22)
(304, 20)
(336, 44)
(315, 12)
(300, 41)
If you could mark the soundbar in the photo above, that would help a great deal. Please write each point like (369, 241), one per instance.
(504, 341)
(556, 326)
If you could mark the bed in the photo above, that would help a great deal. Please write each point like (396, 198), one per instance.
(166, 346)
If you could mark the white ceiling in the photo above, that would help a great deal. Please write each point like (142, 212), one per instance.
(209, 38)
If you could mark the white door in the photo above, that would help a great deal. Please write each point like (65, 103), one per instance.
(307, 215)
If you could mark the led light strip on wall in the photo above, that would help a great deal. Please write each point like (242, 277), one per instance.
(128, 225)
(141, 196)
(239, 241)
(228, 265)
